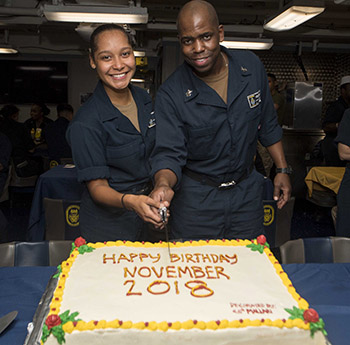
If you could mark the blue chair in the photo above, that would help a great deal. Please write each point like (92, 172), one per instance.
(316, 250)
(45, 253)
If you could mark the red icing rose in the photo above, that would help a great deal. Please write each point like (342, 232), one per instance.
(79, 242)
(261, 239)
(52, 321)
(310, 315)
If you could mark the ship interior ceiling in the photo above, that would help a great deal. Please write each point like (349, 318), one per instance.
(317, 51)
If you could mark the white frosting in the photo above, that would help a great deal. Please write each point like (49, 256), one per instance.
(238, 284)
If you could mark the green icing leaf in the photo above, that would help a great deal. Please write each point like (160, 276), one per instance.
(45, 334)
(256, 247)
(317, 326)
(59, 271)
(85, 249)
(295, 313)
(58, 333)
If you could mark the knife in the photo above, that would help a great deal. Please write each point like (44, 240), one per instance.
(163, 211)
(7, 319)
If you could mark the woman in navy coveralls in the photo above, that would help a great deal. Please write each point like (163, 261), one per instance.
(343, 197)
(111, 137)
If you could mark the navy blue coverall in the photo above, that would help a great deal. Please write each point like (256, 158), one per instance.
(105, 145)
(197, 130)
(343, 197)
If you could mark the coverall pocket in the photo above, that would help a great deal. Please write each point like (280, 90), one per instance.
(121, 156)
(200, 142)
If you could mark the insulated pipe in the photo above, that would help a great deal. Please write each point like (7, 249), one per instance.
(20, 11)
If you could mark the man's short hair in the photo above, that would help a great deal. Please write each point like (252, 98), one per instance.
(64, 107)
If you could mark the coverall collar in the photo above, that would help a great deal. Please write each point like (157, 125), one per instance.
(109, 112)
(238, 80)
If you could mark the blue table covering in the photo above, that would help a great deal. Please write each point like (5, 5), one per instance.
(56, 183)
(325, 286)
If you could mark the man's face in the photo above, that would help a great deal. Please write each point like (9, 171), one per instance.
(272, 84)
(200, 43)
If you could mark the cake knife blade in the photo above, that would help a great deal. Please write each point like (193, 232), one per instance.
(163, 211)
(7, 319)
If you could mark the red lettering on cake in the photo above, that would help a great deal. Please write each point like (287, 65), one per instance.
(105, 258)
(198, 272)
(143, 256)
(233, 258)
(170, 272)
(156, 258)
(158, 282)
(208, 271)
(184, 271)
(205, 257)
(176, 287)
(144, 275)
(220, 270)
(200, 285)
(223, 258)
(133, 256)
(130, 292)
(189, 258)
(126, 272)
(159, 275)
(174, 257)
(214, 258)
(122, 257)
(198, 256)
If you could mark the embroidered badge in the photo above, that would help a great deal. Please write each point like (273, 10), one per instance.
(72, 215)
(254, 99)
(151, 122)
(189, 93)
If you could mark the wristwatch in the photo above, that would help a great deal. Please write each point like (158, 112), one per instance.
(287, 170)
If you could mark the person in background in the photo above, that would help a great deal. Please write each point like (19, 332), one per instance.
(343, 197)
(37, 122)
(22, 145)
(55, 134)
(111, 137)
(334, 115)
(5, 155)
(210, 114)
(279, 101)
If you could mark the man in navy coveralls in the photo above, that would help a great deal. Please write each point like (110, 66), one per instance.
(210, 113)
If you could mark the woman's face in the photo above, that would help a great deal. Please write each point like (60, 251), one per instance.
(113, 60)
(36, 112)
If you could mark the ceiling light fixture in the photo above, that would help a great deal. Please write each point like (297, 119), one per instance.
(248, 43)
(96, 14)
(294, 14)
(8, 50)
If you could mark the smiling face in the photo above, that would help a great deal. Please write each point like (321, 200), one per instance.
(114, 61)
(200, 36)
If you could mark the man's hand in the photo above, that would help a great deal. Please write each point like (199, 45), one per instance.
(282, 189)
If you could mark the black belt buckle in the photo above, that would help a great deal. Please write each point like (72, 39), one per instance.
(227, 185)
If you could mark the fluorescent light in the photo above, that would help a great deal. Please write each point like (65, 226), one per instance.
(138, 80)
(139, 53)
(8, 50)
(248, 43)
(294, 14)
(94, 14)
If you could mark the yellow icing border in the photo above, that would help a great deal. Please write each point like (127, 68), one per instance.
(69, 327)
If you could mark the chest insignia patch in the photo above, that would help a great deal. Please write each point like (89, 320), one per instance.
(254, 99)
(151, 123)
(243, 69)
(189, 93)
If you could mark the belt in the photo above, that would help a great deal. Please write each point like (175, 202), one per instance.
(204, 179)
(144, 189)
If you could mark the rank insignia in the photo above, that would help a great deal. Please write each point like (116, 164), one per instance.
(243, 69)
(151, 122)
(254, 99)
(189, 93)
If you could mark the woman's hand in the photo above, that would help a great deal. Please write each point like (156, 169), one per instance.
(145, 207)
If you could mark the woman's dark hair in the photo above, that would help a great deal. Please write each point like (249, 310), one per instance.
(43, 107)
(103, 28)
(8, 110)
